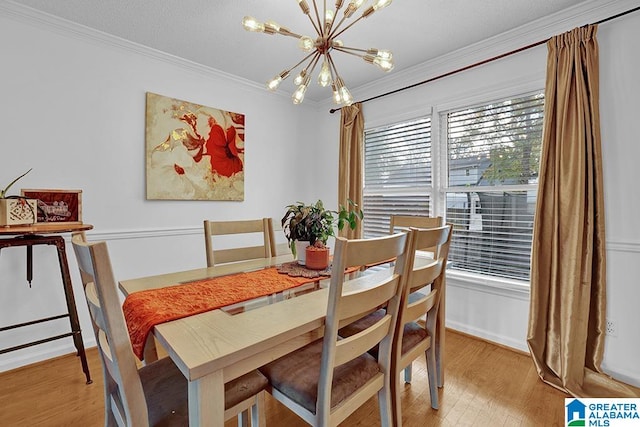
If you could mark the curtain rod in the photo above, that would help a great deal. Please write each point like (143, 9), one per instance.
(333, 110)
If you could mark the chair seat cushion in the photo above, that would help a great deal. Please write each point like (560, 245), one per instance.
(165, 390)
(412, 336)
(296, 375)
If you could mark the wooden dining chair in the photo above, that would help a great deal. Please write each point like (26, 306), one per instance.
(155, 394)
(404, 222)
(245, 230)
(423, 287)
(399, 223)
(278, 241)
(325, 381)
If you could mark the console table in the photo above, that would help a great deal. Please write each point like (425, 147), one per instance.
(48, 234)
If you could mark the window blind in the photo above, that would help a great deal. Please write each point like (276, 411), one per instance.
(398, 173)
(493, 155)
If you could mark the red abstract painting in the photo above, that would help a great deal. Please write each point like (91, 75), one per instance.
(193, 152)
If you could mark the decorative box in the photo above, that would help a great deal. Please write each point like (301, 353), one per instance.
(18, 211)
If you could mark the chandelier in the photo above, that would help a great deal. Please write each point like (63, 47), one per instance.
(321, 48)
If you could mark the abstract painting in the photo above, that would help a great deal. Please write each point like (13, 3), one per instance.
(193, 152)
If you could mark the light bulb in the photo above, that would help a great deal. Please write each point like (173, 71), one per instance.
(384, 54)
(381, 3)
(345, 96)
(337, 43)
(383, 64)
(273, 84)
(356, 3)
(328, 17)
(300, 78)
(336, 95)
(353, 6)
(306, 43)
(298, 95)
(251, 24)
(324, 78)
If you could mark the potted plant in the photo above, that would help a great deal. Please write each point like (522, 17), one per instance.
(311, 225)
(16, 210)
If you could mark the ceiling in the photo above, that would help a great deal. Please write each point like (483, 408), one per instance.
(209, 32)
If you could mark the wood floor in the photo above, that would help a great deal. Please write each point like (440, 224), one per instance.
(485, 385)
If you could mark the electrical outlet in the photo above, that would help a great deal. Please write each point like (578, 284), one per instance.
(612, 328)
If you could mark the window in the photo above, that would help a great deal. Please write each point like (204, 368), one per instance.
(493, 153)
(489, 177)
(397, 177)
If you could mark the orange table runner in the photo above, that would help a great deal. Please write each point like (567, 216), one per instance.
(145, 309)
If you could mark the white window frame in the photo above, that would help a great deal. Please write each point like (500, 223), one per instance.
(493, 284)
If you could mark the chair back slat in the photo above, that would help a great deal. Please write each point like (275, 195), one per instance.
(349, 348)
(357, 302)
(424, 275)
(245, 229)
(404, 222)
(418, 307)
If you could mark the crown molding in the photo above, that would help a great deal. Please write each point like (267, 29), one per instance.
(530, 33)
(77, 31)
(83, 33)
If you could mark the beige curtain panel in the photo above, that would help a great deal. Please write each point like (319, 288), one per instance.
(351, 162)
(568, 269)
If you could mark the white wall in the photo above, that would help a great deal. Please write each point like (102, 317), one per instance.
(73, 109)
(499, 311)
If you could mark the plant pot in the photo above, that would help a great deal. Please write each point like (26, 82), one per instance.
(317, 258)
(301, 245)
(18, 211)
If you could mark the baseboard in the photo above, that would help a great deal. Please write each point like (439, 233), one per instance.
(624, 376)
(500, 340)
(497, 344)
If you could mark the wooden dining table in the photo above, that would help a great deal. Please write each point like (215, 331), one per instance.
(214, 347)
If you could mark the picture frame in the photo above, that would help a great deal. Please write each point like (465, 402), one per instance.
(56, 205)
(193, 151)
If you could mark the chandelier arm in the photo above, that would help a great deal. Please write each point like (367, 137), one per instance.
(347, 49)
(286, 32)
(333, 35)
(332, 65)
(313, 63)
(325, 30)
(335, 27)
(333, 20)
(319, 21)
(313, 23)
(315, 26)
(327, 57)
(302, 60)
(350, 53)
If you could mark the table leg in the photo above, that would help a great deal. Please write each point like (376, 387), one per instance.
(206, 401)
(29, 264)
(71, 306)
(440, 334)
